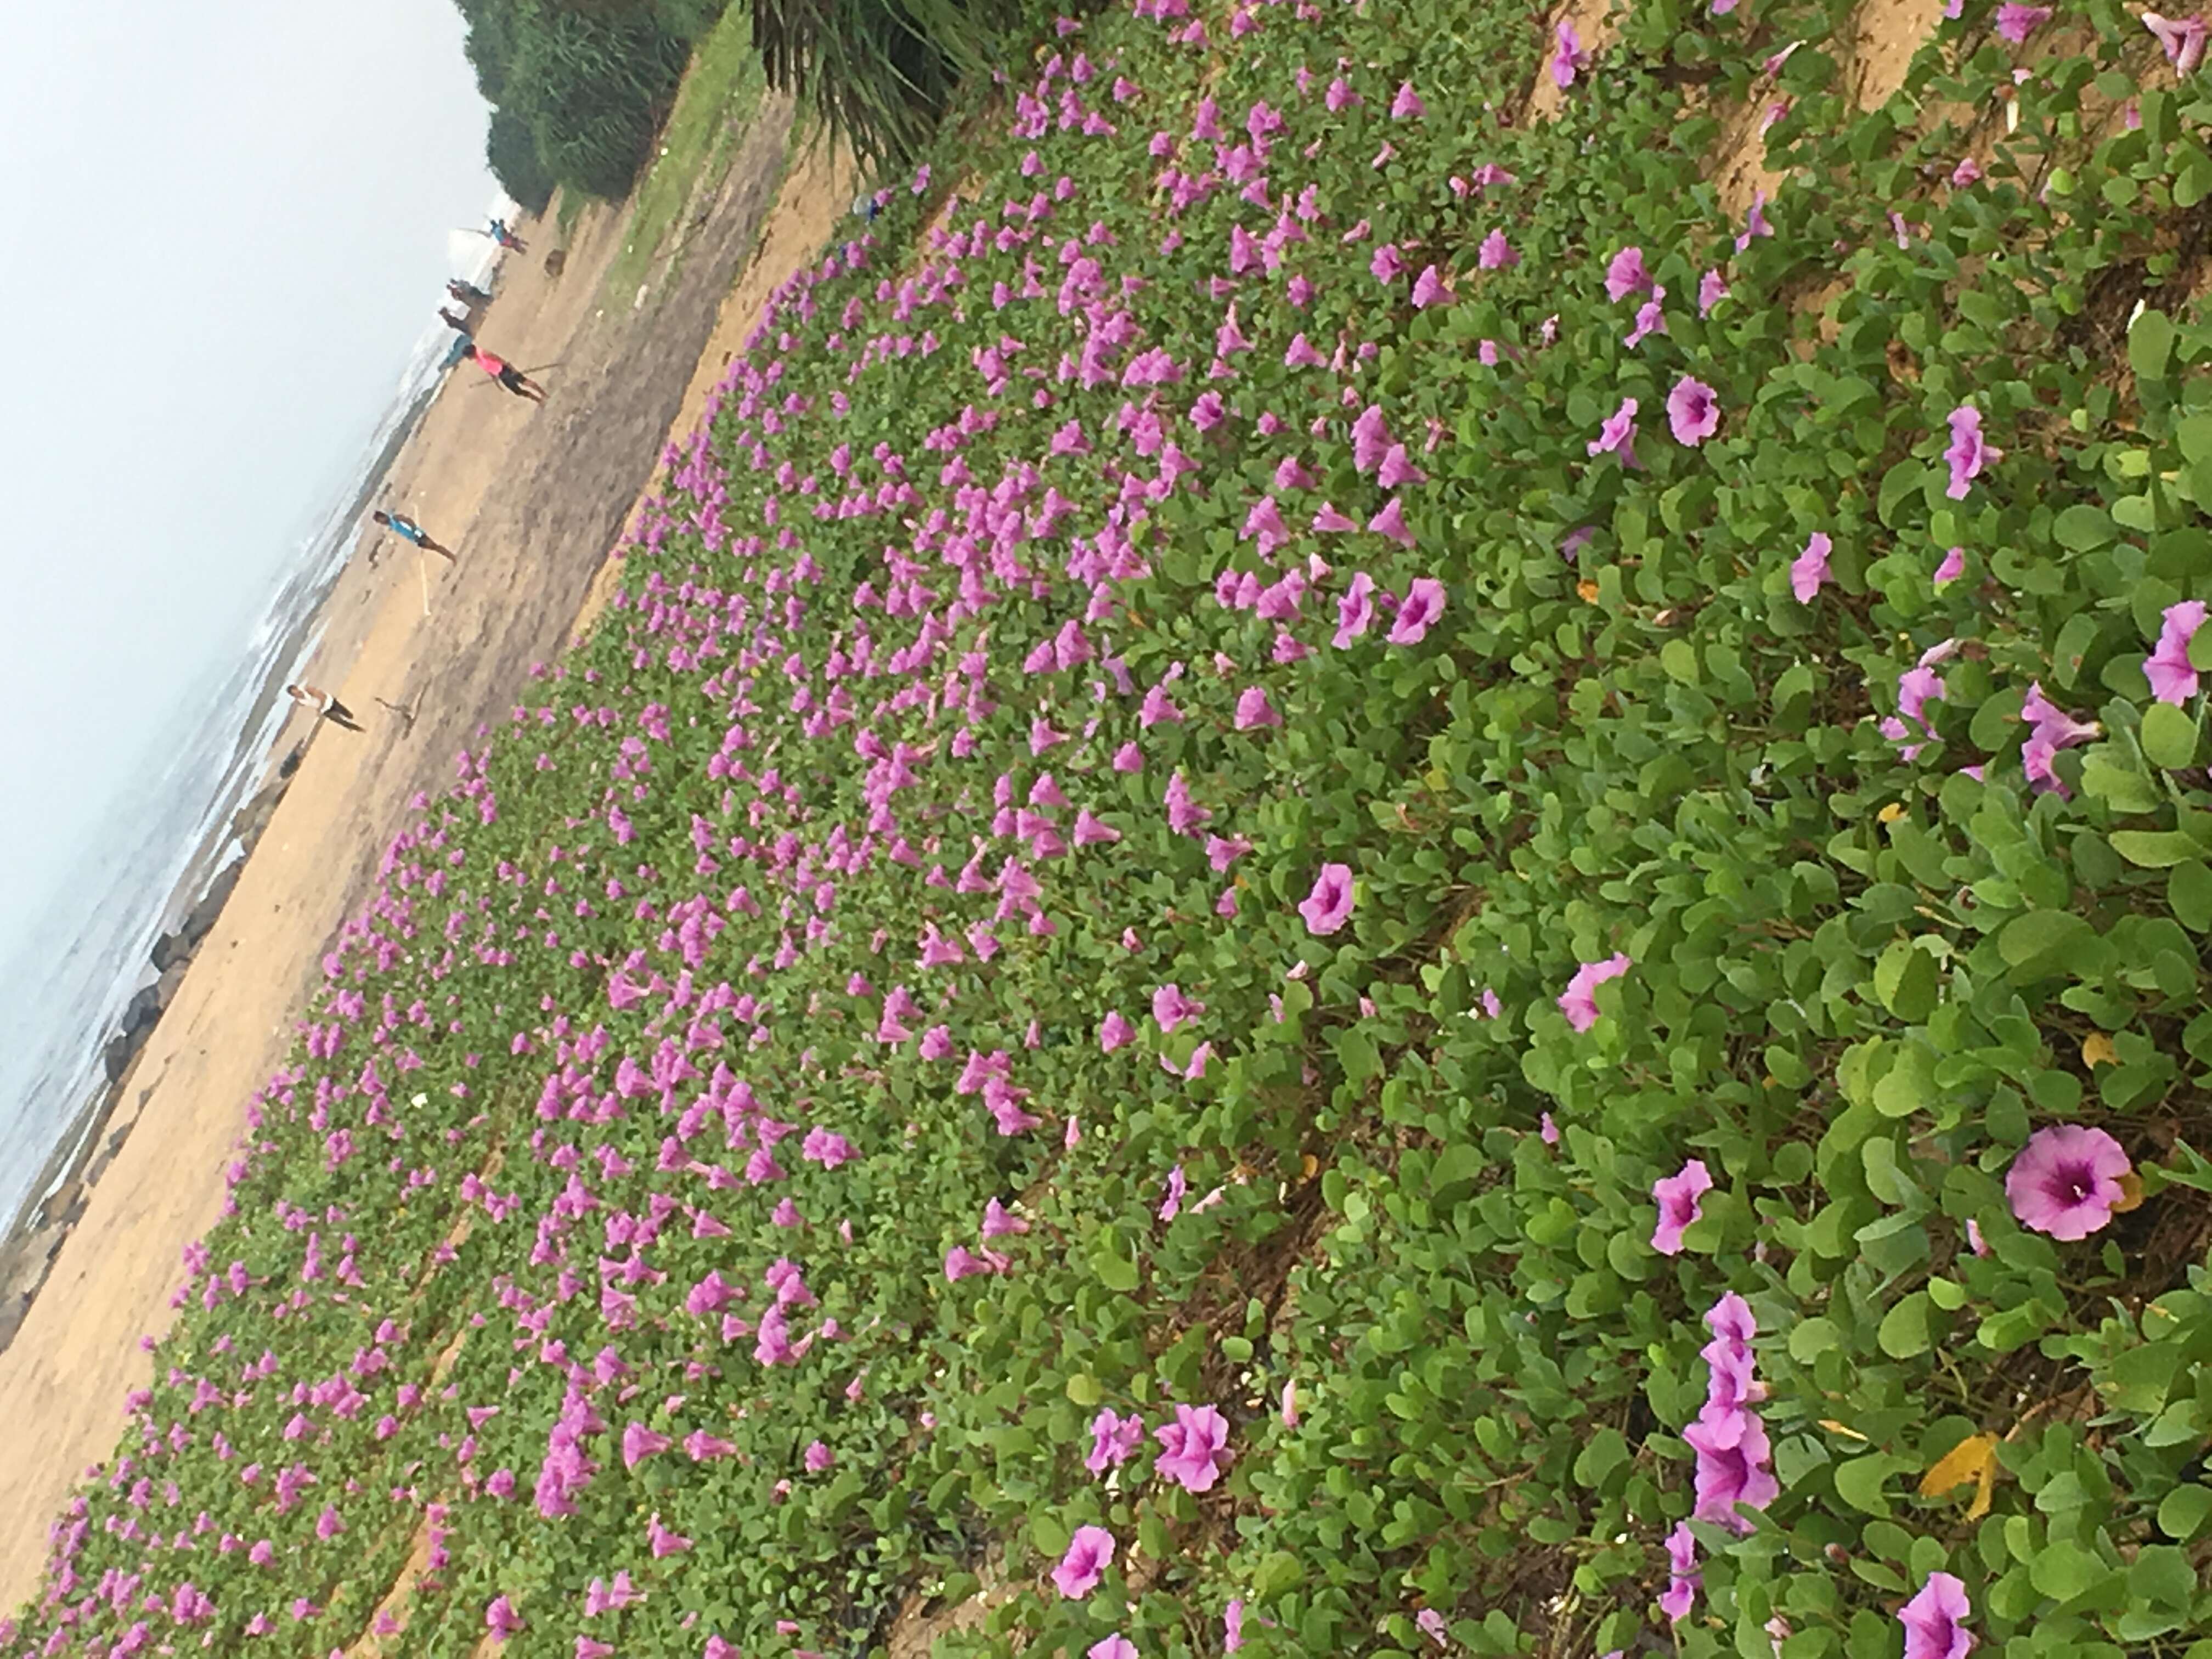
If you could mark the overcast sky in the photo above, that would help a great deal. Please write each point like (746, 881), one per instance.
(230, 225)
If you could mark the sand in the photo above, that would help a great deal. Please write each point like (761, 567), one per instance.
(533, 499)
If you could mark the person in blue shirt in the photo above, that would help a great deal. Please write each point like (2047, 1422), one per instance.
(404, 527)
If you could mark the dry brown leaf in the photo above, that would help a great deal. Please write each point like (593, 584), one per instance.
(2131, 1193)
(2097, 1050)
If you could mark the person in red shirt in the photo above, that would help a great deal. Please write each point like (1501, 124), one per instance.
(505, 372)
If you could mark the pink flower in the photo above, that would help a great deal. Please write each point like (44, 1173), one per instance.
(2172, 678)
(1406, 105)
(1567, 55)
(1617, 435)
(2182, 39)
(1253, 709)
(1390, 522)
(1355, 610)
(1428, 289)
(1693, 411)
(2015, 22)
(961, 1262)
(2050, 729)
(1808, 571)
(1711, 290)
(1417, 612)
(1090, 1553)
(1625, 275)
(1114, 1031)
(1232, 1626)
(1328, 906)
(1116, 1646)
(1397, 469)
(1952, 568)
(1677, 1197)
(501, 1620)
(1934, 1620)
(1651, 319)
(1579, 1002)
(1732, 1453)
(1681, 1592)
(1178, 1187)
(1114, 1440)
(1495, 253)
(819, 1458)
(1968, 454)
(1192, 1447)
(1171, 1008)
(639, 1442)
(2066, 1180)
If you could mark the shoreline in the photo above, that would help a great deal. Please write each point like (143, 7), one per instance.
(539, 503)
(34, 1240)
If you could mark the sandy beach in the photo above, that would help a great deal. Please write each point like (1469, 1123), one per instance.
(532, 498)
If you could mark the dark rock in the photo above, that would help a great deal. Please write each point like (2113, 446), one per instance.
(143, 1010)
(120, 1051)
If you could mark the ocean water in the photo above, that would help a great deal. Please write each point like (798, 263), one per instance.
(89, 954)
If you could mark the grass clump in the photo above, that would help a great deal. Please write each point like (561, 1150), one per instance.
(704, 131)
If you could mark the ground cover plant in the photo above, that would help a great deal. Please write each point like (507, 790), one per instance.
(1346, 877)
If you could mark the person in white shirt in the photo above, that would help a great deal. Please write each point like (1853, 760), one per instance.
(315, 697)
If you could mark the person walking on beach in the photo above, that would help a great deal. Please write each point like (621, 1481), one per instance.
(455, 321)
(506, 238)
(407, 530)
(505, 372)
(315, 697)
(467, 293)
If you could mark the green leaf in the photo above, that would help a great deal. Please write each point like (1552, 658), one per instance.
(2161, 1575)
(1859, 1481)
(2194, 434)
(2040, 935)
(1606, 1451)
(1899, 484)
(2169, 736)
(2084, 529)
(2153, 849)
(1905, 1327)
(1906, 981)
(1814, 1337)
(2182, 1512)
(2062, 1569)
(2150, 345)
(2189, 894)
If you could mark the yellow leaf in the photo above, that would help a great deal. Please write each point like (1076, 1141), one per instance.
(1980, 1506)
(1309, 1166)
(1834, 1427)
(1589, 591)
(2097, 1050)
(1972, 1459)
(2131, 1193)
(1891, 813)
